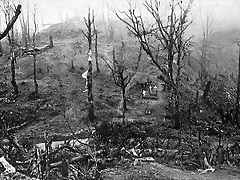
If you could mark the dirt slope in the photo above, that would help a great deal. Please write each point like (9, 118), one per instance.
(156, 171)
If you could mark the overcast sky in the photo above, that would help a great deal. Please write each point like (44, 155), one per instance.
(226, 12)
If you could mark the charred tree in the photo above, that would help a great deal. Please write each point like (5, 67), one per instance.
(13, 61)
(34, 53)
(13, 72)
(122, 76)
(171, 41)
(35, 74)
(10, 34)
(89, 35)
(96, 48)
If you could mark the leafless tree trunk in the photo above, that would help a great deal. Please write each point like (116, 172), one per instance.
(110, 28)
(89, 35)
(121, 75)
(162, 31)
(8, 11)
(96, 47)
(13, 72)
(205, 46)
(28, 24)
(24, 31)
(34, 53)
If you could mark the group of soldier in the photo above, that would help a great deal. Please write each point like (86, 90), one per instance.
(150, 87)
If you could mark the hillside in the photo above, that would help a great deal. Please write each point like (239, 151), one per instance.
(147, 146)
(224, 52)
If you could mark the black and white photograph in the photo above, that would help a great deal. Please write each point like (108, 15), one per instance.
(119, 89)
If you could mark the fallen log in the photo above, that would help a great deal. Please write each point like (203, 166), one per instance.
(35, 50)
(74, 142)
(81, 158)
(8, 167)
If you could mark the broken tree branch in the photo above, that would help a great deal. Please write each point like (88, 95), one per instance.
(11, 23)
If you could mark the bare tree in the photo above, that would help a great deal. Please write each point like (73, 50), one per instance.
(121, 72)
(24, 31)
(28, 24)
(110, 27)
(205, 45)
(11, 21)
(8, 12)
(89, 35)
(34, 52)
(164, 40)
(96, 46)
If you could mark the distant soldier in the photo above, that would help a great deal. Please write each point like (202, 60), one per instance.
(155, 88)
(150, 89)
(144, 92)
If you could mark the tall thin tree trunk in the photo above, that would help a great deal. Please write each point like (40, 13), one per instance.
(89, 75)
(35, 74)
(170, 67)
(96, 49)
(238, 91)
(114, 59)
(13, 81)
(124, 104)
(28, 25)
(13, 61)
(35, 53)
(89, 86)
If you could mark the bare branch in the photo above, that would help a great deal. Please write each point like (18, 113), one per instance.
(11, 23)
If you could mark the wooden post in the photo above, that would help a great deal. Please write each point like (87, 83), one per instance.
(89, 87)
(51, 41)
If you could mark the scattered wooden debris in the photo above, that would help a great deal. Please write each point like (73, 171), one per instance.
(8, 167)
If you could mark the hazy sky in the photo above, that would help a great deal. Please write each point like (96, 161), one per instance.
(226, 12)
